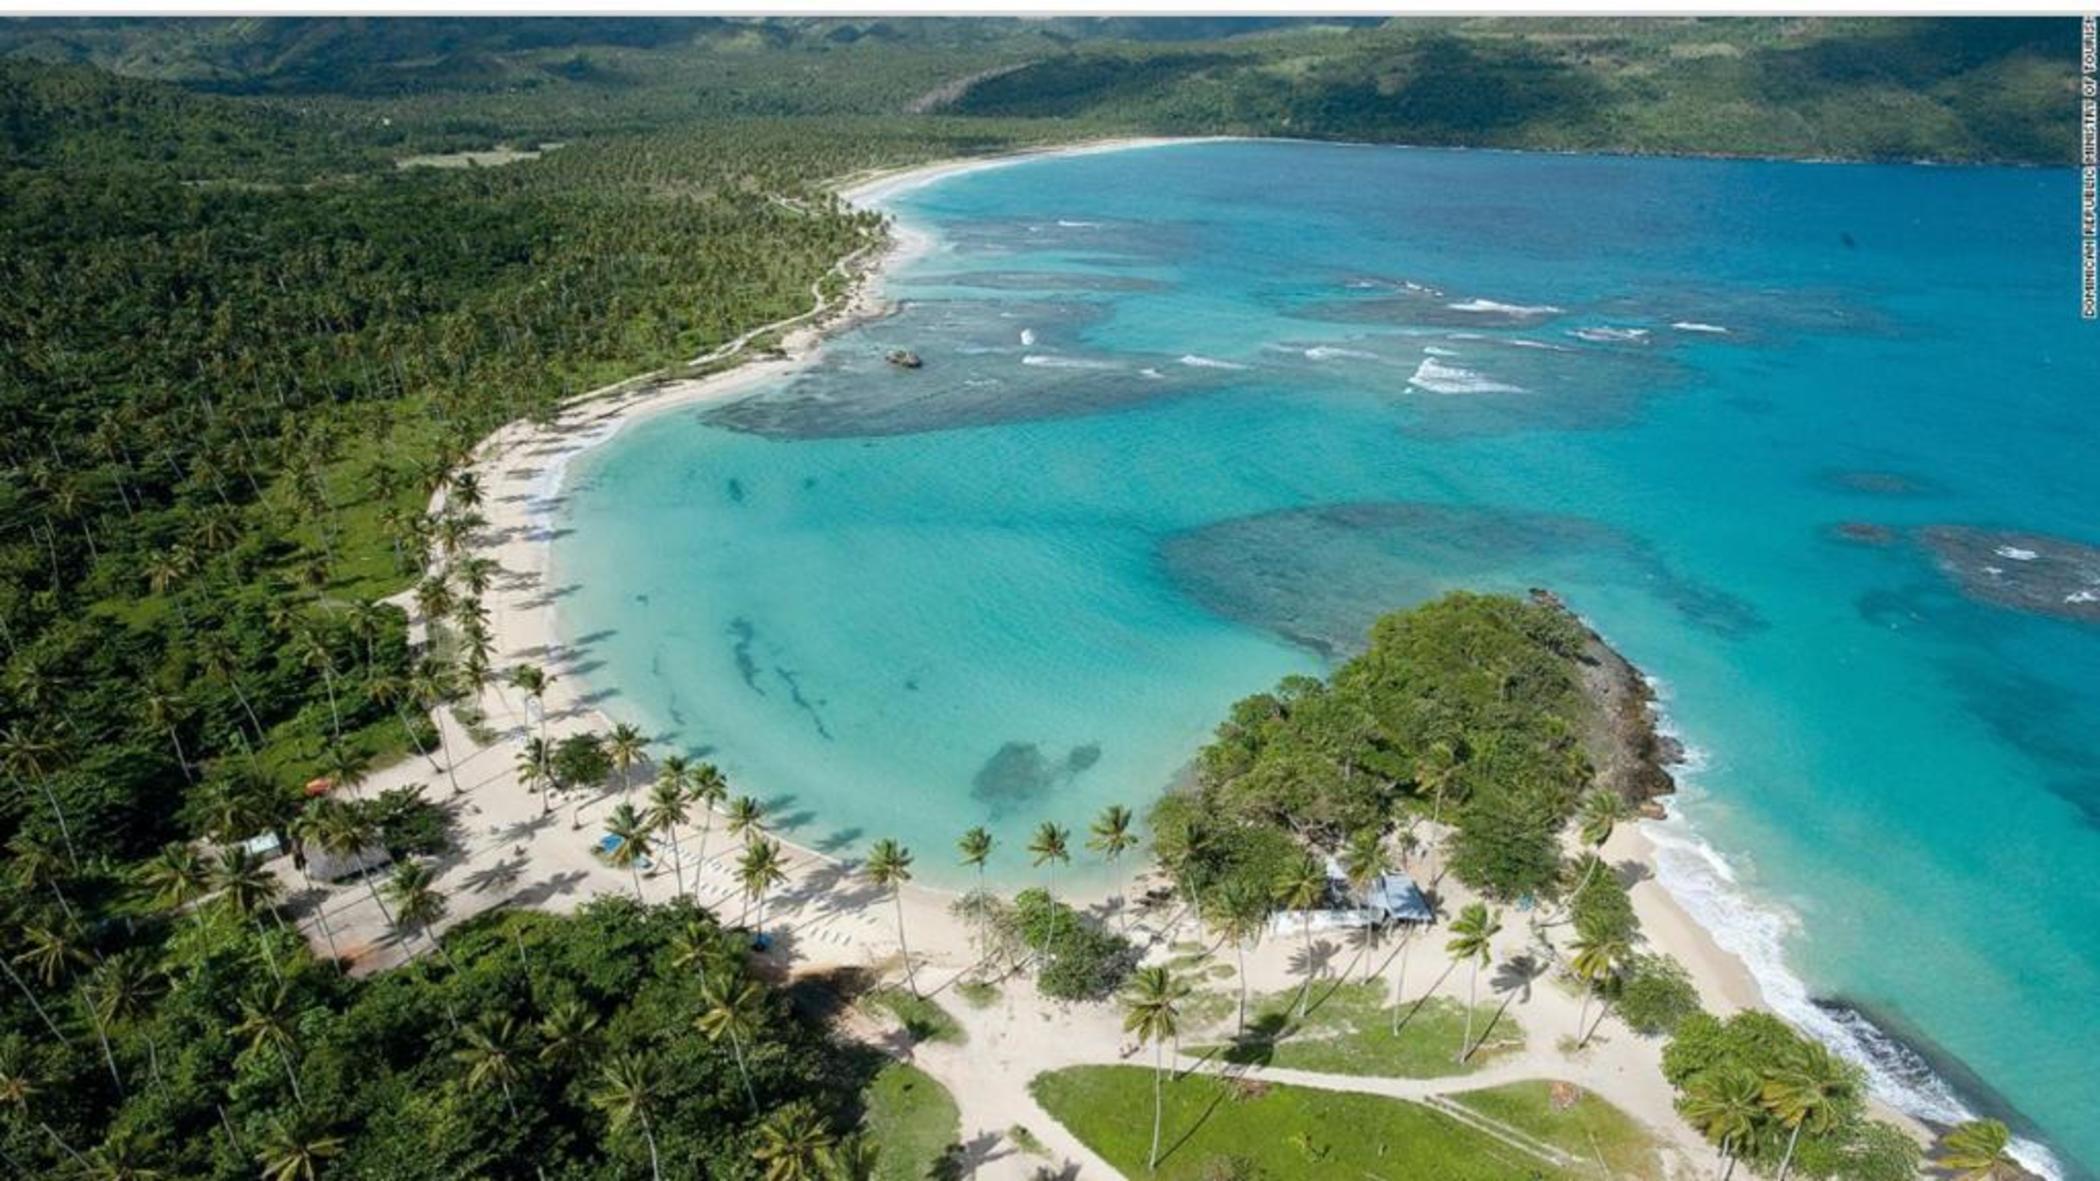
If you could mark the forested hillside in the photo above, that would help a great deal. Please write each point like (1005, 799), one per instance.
(239, 348)
(1949, 89)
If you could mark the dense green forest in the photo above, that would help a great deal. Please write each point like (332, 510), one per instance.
(1950, 89)
(242, 342)
(242, 348)
(581, 1046)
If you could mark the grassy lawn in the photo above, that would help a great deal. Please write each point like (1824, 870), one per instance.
(1286, 1132)
(1590, 1129)
(1348, 1030)
(912, 1120)
(922, 1017)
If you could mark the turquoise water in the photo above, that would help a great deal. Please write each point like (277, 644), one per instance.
(1192, 416)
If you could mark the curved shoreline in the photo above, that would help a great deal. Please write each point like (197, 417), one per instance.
(1725, 982)
(528, 623)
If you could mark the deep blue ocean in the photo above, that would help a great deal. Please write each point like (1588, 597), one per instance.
(1809, 442)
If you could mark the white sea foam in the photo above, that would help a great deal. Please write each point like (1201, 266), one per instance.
(2083, 596)
(1201, 362)
(1027, 337)
(2015, 553)
(1048, 361)
(1433, 351)
(1154, 374)
(1078, 225)
(1439, 378)
(1756, 930)
(1606, 335)
(1504, 309)
(1323, 352)
(1696, 326)
(1527, 343)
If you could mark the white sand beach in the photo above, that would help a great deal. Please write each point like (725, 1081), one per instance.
(826, 916)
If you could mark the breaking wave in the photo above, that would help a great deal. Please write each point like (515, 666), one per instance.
(1755, 930)
(1438, 378)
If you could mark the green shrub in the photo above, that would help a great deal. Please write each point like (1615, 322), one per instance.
(1656, 995)
(1080, 959)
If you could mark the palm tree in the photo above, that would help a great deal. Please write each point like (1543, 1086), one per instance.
(1598, 958)
(854, 1158)
(215, 655)
(1152, 1011)
(52, 950)
(28, 754)
(733, 1009)
(1049, 846)
(417, 903)
(347, 832)
(177, 876)
(18, 1085)
(708, 789)
(1808, 1093)
(889, 868)
(1725, 1106)
(533, 681)
(122, 1157)
(1302, 887)
(793, 1143)
(976, 849)
(1111, 836)
(568, 1034)
(267, 1020)
(703, 948)
(1472, 936)
(668, 808)
(758, 871)
(746, 818)
(625, 746)
(491, 1055)
(628, 1090)
(632, 850)
(244, 885)
(1239, 911)
(307, 830)
(29, 995)
(432, 684)
(294, 1150)
(533, 769)
(122, 991)
(1364, 861)
(314, 653)
(165, 711)
(1977, 1150)
(1600, 814)
(1435, 773)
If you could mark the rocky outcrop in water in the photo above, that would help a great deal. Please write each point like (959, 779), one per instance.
(1631, 755)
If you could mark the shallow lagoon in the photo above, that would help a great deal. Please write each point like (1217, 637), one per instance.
(1192, 416)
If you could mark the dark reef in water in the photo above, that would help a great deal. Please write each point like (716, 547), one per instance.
(1876, 483)
(2030, 572)
(745, 634)
(1320, 576)
(1863, 533)
(1019, 773)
